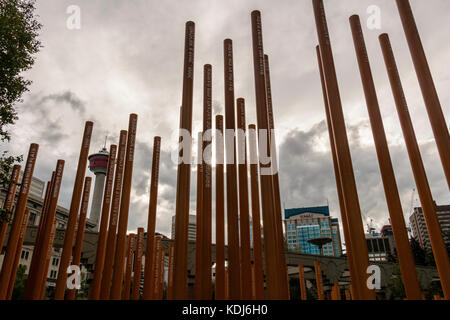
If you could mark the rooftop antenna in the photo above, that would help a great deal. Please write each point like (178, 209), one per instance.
(106, 138)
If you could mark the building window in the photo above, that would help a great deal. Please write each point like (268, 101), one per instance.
(24, 255)
(55, 262)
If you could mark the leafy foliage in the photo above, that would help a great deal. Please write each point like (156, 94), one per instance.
(18, 44)
(19, 284)
(19, 30)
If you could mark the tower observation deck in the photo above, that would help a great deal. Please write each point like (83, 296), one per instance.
(98, 164)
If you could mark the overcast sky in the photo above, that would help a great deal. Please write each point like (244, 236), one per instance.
(128, 58)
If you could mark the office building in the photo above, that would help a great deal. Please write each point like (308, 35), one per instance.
(192, 229)
(303, 224)
(419, 227)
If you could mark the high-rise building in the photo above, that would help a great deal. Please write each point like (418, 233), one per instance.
(307, 223)
(419, 227)
(192, 229)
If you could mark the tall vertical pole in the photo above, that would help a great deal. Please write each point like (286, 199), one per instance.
(207, 183)
(170, 273)
(256, 215)
(112, 229)
(347, 295)
(423, 188)
(227, 285)
(138, 264)
(220, 212)
(156, 268)
(9, 201)
(129, 265)
(44, 210)
(244, 216)
(276, 181)
(119, 259)
(18, 254)
(38, 278)
(14, 233)
(43, 281)
(184, 171)
(80, 231)
(301, 279)
(429, 93)
(94, 292)
(353, 209)
(35, 259)
(404, 251)
(234, 270)
(337, 291)
(337, 174)
(73, 213)
(199, 220)
(319, 282)
(161, 274)
(275, 271)
(151, 222)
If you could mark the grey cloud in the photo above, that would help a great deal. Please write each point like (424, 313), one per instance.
(307, 175)
(67, 97)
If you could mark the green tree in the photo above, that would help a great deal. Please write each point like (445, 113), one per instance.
(19, 31)
(19, 284)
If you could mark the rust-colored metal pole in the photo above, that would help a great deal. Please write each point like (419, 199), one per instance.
(234, 269)
(199, 227)
(119, 259)
(43, 284)
(275, 270)
(18, 253)
(170, 273)
(112, 229)
(9, 201)
(38, 242)
(73, 213)
(319, 282)
(129, 266)
(138, 264)
(356, 230)
(276, 181)
(337, 291)
(347, 295)
(39, 235)
(337, 174)
(13, 240)
(227, 284)
(423, 188)
(80, 231)
(206, 275)
(403, 247)
(301, 279)
(244, 216)
(151, 223)
(94, 292)
(184, 171)
(37, 280)
(256, 216)
(161, 274)
(220, 212)
(429, 93)
(156, 268)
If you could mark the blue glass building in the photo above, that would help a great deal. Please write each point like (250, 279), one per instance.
(307, 223)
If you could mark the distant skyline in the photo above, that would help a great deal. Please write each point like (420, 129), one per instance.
(127, 57)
